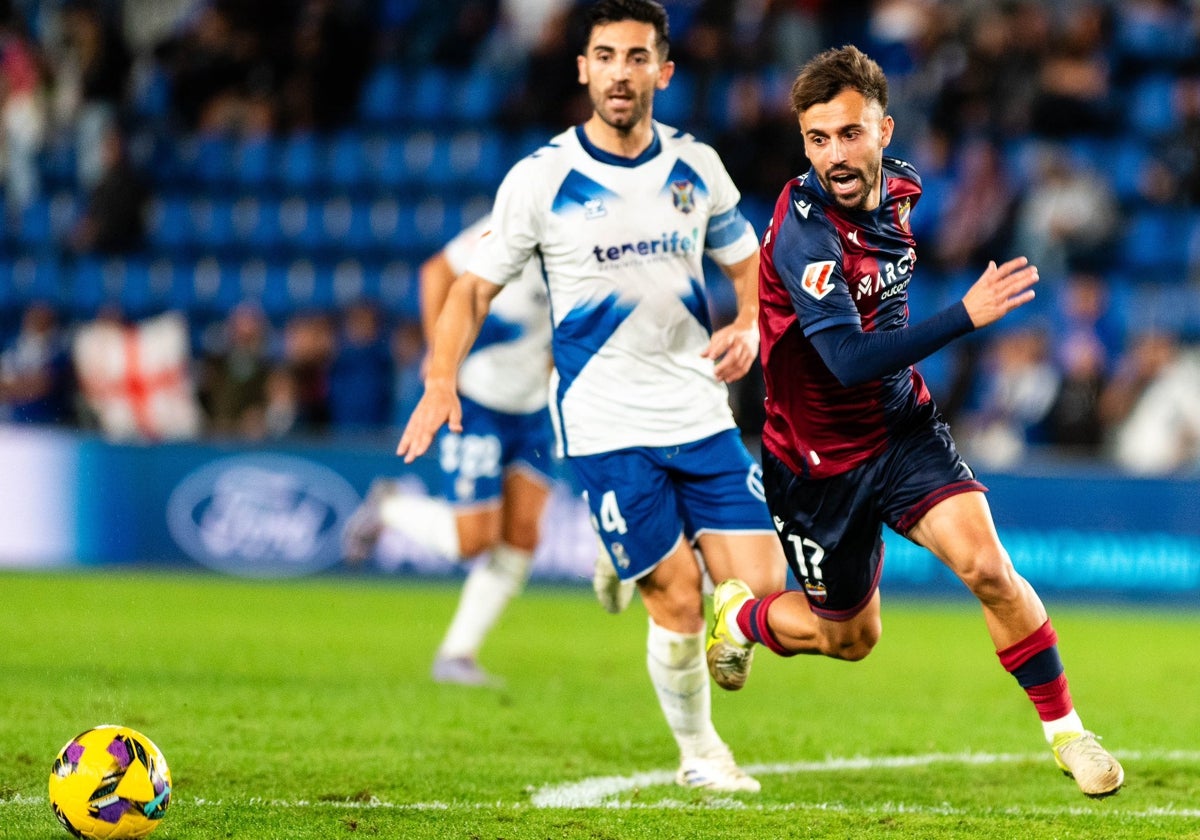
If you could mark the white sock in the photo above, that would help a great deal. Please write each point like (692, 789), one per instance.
(1068, 723)
(427, 521)
(680, 678)
(491, 584)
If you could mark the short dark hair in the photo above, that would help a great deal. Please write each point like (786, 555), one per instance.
(642, 11)
(829, 73)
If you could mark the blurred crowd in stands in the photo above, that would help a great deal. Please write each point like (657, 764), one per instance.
(1068, 132)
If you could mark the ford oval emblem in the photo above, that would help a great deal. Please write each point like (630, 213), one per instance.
(261, 515)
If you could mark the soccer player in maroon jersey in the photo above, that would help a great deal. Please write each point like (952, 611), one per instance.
(852, 438)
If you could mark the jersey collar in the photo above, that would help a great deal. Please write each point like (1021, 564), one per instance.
(616, 160)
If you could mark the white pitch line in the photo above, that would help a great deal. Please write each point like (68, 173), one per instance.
(603, 791)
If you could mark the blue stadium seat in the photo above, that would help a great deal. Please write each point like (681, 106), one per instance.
(1155, 245)
(674, 106)
(345, 162)
(337, 217)
(46, 222)
(383, 98)
(1126, 167)
(465, 160)
(275, 300)
(386, 165)
(383, 217)
(431, 98)
(398, 289)
(253, 164)
(169, 224)
(1151, 108)
(300, 224)
(209, 287)
(212, 224)
(479, 95)
(343, 282)
(97, 282)
(300, 164)
(27, 279)
(210, 160)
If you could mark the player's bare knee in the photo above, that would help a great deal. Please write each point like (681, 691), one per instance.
(993, 580)
(853, 642)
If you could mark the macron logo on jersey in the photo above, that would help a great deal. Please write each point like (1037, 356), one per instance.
(816, 278)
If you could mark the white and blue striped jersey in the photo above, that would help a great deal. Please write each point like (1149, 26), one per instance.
(508, 366)
(621, 243)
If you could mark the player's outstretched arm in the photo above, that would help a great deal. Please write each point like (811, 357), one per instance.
(999, 290)
(734, 347)
(466, 306)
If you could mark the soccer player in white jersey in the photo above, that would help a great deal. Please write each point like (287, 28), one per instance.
(496, 470)
(619, 212)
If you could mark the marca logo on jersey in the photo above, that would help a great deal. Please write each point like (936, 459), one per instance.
(817, 280)
(889, 280)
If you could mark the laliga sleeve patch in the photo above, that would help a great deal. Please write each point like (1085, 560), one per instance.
(817, 280)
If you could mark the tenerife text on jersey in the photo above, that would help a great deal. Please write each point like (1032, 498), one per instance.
(668, 244)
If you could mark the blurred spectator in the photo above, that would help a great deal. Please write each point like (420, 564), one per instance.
(360, 382)
(1067, 217)
(234, 373)
(977, 216)
(1021, 385)
(1181, 150)
(326, 68)
(408, 361)
(1074, 423)
(1152, 406)
(22, 113)
(761, 147)
(36, 380)
(91, 74)
(114, 220)
(550, 93)
(1074, 93)
(308, 348)
(989, 73)
(219, 79)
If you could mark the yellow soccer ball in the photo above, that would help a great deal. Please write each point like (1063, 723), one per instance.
(110, 783)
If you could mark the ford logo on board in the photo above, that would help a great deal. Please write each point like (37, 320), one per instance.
(261, 515)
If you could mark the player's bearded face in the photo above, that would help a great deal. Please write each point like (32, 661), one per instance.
(844, 139)
(622, 71)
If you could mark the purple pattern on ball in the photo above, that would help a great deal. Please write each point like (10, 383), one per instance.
(113, 812)
(121, 752)
(74, 752)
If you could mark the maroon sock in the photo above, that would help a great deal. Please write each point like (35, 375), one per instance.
(752, 621)
(1035, 663)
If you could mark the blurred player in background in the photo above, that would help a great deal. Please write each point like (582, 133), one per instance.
(619, 212)
(853, 439)
(496, 470)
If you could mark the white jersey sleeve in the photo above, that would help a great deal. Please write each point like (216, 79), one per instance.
(621, 245)
(508, 366)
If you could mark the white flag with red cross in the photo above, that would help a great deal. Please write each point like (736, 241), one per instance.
(137, 378)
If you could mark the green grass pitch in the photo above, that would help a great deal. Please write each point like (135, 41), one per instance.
(303, 709)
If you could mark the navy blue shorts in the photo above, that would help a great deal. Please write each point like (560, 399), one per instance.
(832, 528)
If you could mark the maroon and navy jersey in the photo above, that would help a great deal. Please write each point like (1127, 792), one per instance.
(822, 267)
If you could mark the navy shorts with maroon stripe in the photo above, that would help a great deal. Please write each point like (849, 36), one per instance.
(832, 528)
